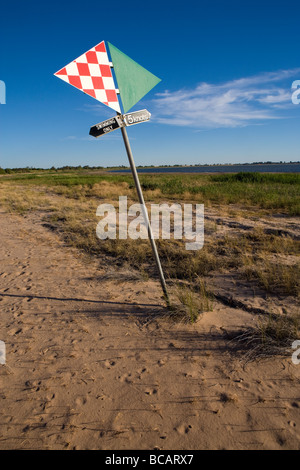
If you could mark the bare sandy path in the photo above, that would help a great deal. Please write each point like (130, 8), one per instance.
(91, 363)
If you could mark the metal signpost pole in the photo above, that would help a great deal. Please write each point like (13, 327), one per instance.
(145, 213)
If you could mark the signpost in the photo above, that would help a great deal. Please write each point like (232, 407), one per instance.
(106, 126)
(119, 121)
(136, 117)
(145, 213)
(91, 73)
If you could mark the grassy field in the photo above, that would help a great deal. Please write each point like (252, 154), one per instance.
(67, 202)
(267, 191)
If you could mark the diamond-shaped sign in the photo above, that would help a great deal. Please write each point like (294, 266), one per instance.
(91, 73)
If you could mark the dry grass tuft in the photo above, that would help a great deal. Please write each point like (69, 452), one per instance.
(271, 336)
(274, 277)
(189, 304)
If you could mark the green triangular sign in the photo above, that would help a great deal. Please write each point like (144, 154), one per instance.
(134, 81)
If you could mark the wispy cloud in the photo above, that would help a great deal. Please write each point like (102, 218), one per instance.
(74, 137)
(108, 136)
(236, 103)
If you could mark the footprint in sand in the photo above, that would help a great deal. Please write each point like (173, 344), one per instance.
(20, 273)
(109, 363)
(81, 401)
(139, 373)
(183, 429)
(50, 397)
(126, 378)
(34, 385)
(161, 363)
(151, 391)
(101, 396)
(15, 331)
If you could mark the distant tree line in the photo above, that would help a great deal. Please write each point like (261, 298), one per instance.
(29, 169)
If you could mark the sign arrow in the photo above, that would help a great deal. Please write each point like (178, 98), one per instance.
(118, 121)
(107, 126)
(136, 117)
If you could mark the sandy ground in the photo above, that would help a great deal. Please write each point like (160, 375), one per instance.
(93, 363)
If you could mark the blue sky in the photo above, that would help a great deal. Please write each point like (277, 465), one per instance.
(226, 67)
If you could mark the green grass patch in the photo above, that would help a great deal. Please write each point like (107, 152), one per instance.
(269, 191)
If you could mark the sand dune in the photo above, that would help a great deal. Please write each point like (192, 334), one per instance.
(93, 362)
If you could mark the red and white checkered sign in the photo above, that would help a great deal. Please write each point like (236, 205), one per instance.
(91, 74)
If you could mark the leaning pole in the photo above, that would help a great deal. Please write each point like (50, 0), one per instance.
(145, 214)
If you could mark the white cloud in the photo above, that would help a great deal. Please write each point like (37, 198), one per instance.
(236, 103)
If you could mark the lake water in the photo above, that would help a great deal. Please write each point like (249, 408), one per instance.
(261, 168)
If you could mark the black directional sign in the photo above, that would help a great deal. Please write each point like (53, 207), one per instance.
(106, 126)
